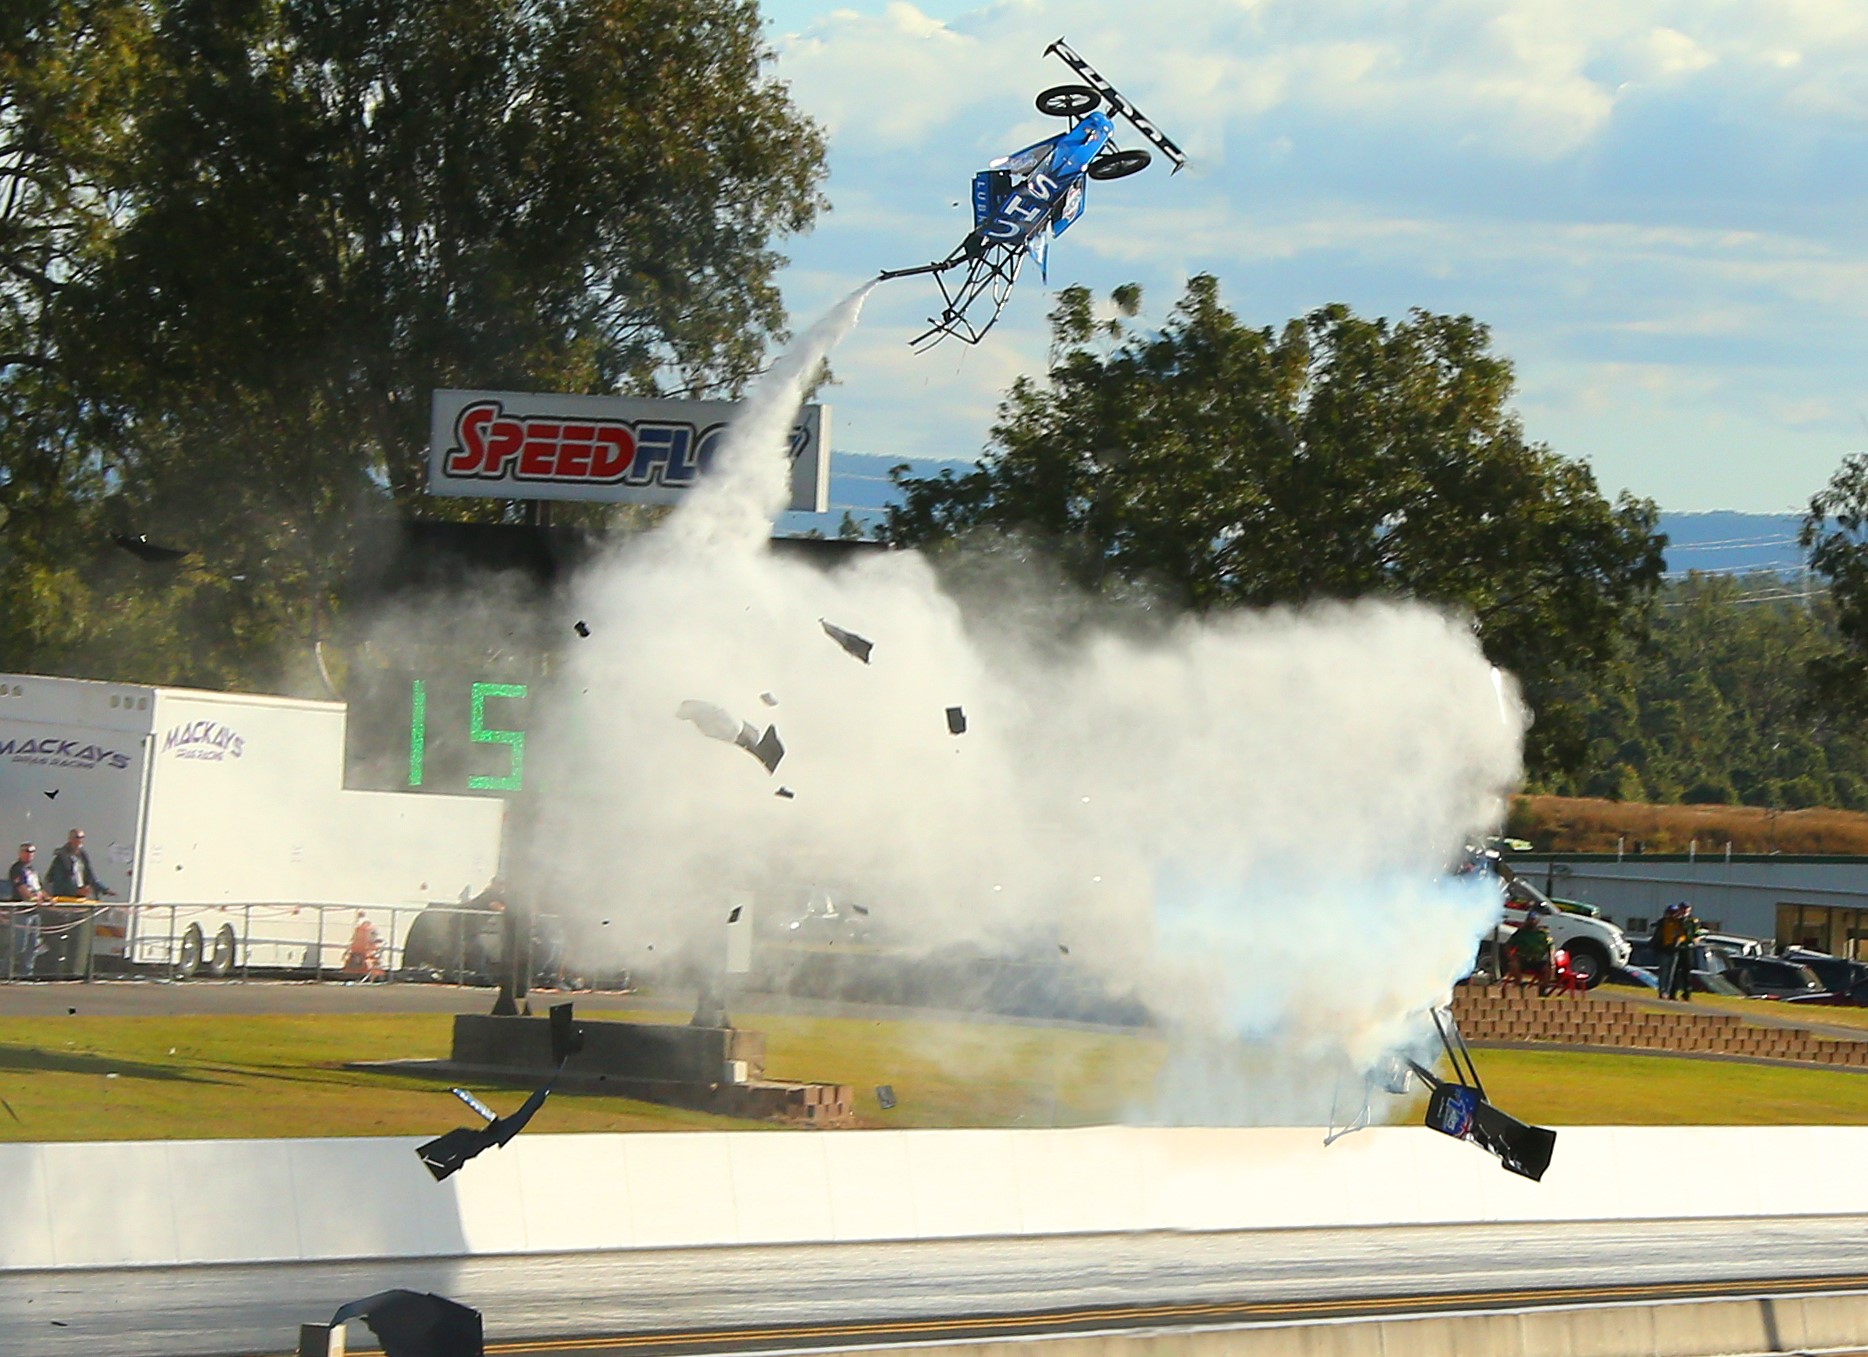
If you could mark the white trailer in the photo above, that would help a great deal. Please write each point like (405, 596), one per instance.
(221, 819)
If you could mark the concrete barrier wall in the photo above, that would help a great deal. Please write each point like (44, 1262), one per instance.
(151, 1203)
(1785, 1324)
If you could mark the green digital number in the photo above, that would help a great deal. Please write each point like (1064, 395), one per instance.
(515, 739)
(418, 731)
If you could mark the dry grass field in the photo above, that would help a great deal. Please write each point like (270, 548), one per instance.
(1558, 824)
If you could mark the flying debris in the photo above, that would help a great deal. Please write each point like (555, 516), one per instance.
(52, 795)
(580, 628)
(1022, 201)
(786, 793)
(956, 721)
(445, 1154)
(885, 1095)
(768, 699)
(418, 1324)
(143, 549)
(716, 723)
(1458, 1107)
(849, 640)
(733, 918)
(719, 724)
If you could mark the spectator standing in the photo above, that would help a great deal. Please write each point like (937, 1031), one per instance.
(27, 893)
(1673, 942)
(70, 877)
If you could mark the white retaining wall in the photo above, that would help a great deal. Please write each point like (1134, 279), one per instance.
(210, 1201)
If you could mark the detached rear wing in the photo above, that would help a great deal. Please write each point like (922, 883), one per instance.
(1117, 104)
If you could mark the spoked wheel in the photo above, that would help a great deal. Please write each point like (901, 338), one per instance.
(1119, 164)
(1069, 101)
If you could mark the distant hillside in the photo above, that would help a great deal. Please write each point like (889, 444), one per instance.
(1558, 824)
(1725, 542)
(1720, 542)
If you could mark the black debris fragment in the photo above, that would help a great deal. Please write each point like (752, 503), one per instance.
(885, 1095)
(860, 909)
(9, 1110)
(418, 1324)
(567, 1034)
(143, 549)
(52, 795)
(766, 748)
(785, 792)
(733, 918)
(446, 1154)
(849, 640)
(580, 628)
(71, 1010)
(956, 721)
(1065, 950)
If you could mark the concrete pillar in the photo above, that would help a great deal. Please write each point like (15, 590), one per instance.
(321, 1340)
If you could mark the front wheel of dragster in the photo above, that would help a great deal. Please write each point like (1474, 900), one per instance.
(188, 959)
(1588, 962)
(226, 948)
(1069, 101)
(1119, 164)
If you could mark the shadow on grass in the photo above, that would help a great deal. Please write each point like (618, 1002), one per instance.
(30, 1059)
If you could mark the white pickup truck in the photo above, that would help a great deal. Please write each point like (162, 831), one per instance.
(1596, 946)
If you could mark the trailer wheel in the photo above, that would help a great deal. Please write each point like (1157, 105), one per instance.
(1069, 101)
(188, 959)
(226, 947)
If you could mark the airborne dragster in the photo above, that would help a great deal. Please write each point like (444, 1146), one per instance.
(1024, 200)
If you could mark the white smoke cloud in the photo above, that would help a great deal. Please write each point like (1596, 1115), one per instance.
(1242, 819)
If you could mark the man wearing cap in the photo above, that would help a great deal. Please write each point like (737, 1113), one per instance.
(26, 891)
(1673, 941)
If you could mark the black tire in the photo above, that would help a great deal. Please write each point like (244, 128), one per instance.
(1589, 963)
(1069, 101)
(188, 959)
(226, 952)
(1119, 164)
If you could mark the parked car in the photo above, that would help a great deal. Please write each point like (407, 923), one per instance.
(1764, 977)
(1732, 944)
(1595, 945)
(1846, 981)
(1711, 968)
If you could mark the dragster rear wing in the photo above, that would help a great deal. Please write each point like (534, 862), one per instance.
(1117, 104)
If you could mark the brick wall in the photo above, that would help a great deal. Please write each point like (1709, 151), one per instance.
(1501, 1014)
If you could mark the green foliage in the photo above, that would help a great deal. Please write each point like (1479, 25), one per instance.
(246, 238)
(1835, 534)
(1715, 705)
(1335, 457)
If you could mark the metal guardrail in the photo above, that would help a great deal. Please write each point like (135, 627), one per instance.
(93, 940)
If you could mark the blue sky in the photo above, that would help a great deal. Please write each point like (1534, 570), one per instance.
(1657, 205)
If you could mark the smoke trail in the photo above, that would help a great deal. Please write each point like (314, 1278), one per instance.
(733, 506)
(1243, 819)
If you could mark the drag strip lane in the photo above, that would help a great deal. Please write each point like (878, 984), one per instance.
(987, 1328)
(649, 1301)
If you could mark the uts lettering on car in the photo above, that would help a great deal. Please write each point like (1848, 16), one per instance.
(1024, 208)
(490, 444)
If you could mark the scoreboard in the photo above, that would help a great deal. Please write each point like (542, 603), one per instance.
(426, 731)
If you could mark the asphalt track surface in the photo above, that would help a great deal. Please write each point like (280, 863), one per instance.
(772, 1299)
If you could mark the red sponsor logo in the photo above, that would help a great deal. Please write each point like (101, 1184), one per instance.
(490, 444)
